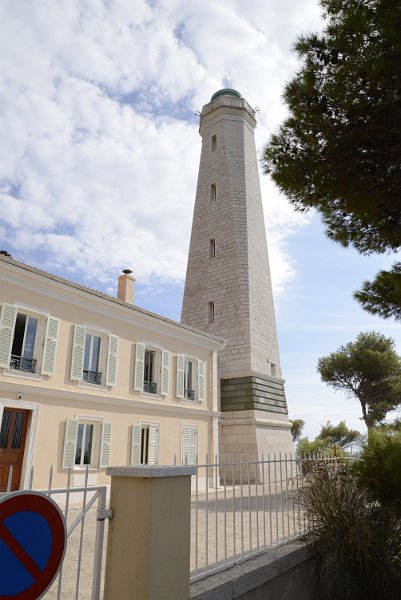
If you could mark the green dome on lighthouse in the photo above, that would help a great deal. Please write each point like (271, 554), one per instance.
(225, 92)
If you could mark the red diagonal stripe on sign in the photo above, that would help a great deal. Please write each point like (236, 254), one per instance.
(19, 552)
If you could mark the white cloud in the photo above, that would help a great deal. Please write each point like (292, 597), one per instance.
(99, 155)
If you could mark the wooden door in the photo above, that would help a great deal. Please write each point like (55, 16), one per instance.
(12, 445)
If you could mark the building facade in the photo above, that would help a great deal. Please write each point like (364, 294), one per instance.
(87, 379)
(228, 288)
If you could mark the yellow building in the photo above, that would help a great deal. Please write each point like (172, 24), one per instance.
(88, 379)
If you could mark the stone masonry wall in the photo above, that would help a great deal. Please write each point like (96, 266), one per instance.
(237, 279)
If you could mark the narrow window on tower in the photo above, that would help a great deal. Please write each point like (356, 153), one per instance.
(212, 248)
(213, 193)
(274, 369)
(211, 312)
(214, 143)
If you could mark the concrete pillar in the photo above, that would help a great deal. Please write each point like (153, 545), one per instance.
(148, 546)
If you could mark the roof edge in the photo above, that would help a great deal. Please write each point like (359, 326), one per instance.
(115, 301)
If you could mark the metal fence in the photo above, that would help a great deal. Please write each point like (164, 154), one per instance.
(242, 507)
(84, 509)
(239, 508)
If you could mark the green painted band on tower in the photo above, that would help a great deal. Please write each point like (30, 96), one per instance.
(252, 393)
(225, 92)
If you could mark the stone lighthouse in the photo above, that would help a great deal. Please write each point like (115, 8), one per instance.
(228, 287)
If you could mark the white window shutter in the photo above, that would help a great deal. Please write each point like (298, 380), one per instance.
(185, 436)
(50, 347)
(112, 354)
(7, 324)
(139, 367)
(180, 375)
(78, 351)
(193, 446)
(105, 446)
(136, 445)
(153, 451)
(201, 381)
(70, 441)
(164, 374)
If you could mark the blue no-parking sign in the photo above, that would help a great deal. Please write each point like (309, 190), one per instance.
(32, 545)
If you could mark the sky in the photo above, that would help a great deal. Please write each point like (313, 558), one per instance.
(99, 153)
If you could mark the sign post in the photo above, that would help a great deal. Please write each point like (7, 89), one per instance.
(32, 544)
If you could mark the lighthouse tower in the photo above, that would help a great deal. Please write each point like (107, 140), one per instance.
(228, 287)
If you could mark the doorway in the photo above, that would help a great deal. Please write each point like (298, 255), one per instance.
(14, 426)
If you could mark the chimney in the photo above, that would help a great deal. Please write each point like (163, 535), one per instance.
(126, 284)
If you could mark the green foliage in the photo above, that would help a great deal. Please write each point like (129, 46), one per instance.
(339, 149)
(360, 544)
(316, 446)
(332, 439)
(383, 295)
(368, 369)
(379, 470)
(297, 426)
(339, 435)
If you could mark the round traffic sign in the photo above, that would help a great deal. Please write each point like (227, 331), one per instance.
(32, 544)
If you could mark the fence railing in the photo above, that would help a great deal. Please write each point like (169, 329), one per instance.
(239, 508)
(242, 507)
(84, 509)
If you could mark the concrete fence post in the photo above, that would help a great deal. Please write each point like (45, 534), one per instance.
(148, 545)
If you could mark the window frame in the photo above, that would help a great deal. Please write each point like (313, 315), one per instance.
(152, 382)
(95, 444)
(190, 390)
(107, 360)
(213, 192)
(160, 375)
(141, 427)
(211, 313)
(101, 442)
(44, 345)
(198, 379)
(212, 248)
(101, 359)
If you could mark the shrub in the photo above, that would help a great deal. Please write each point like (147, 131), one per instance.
(379, 470)
(360, 543)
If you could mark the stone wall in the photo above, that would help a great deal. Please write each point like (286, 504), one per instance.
(237, 278)
(285, 573)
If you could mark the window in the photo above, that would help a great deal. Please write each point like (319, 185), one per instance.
(28, 340)
(145, 444)
(211, 312)
(190, 383)
(189, 392)
(149, 383)
(91, 373)
(212, 248)
(94, 357)
(273, 369)
(83, 449)
(213, 192)
(22, 356)
(87, 442)
(214, 143)
(189, 445)
(151, 369)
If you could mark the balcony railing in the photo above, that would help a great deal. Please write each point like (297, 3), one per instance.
(91, 376)
(189, 394)
(19, 363)
(150, 387)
